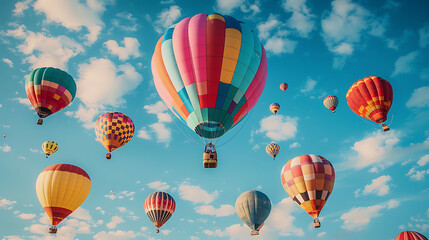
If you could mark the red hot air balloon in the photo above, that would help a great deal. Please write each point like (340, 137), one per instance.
(410, 235)
(284, 86)
(159, 206)
(371, 98)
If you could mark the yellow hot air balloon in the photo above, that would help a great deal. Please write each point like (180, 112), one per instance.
(49, 147)
(61, 189)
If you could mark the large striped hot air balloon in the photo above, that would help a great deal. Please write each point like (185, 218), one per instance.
(49, 147)
(61, 189)
(273, 149)
(309, 180)
(113, 130)
(253, 208)
(331, 102)
(159, 206)
(49, 90)
(410, 235)
(371, 98)
(210, 70)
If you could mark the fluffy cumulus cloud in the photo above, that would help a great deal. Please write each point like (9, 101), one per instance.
(301, 20)
(274, 33)
(405, 64)
(379, 150)
(419, 98)
(5, 148)
(223, 211)
(358, 218)
(25, 102)
(379, 186)
(8, 62)
(125, 21)
(417, 172)
(4, 203)
(158, 185)
(159, 128)
(130, 48)
(279, 127)
(114, 222)
(74, 15)
(344, 26)
(310, 84)
(103, 84)
(70, 227)
(20, 7)
(295, 145)
(43, 50)
(228, 6)
(196, 194)
(27, 215)
(120, 195)
(166, 18)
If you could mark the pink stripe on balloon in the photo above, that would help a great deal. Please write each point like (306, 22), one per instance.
(182, 51)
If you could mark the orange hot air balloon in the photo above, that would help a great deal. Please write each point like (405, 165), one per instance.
(410, 235)
(309, 181)
(371, 98)
(61, 189)
(284, 86)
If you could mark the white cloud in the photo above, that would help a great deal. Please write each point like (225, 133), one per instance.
(166, 232)
(404, 64)
(160, 109)
(20, 7)
(68, 230)
(24, 101)
(228, 6)
(143, 133)
(359, 217)
(196, 194)
(81, 213)
(166, 18)
(424, 36)
(5, 148)
(281, 218)
(12, 238)
(8, 62)
(279, 127)
(27, 215)
(295, 145)
(379, 150)
(159, 128)
(378, 186)
(115, 235)
(115, 221)
(121, 195)
(223, 211)
(101, 210)
(423, 160)
(274, 32)
(417, 175)
(74, 15)
(159, 186)
(163, 133)
(125, 21)
(301, 20)
(130, 48)
(419, 98)
(251, 9)
(310, 84)
(319, 235)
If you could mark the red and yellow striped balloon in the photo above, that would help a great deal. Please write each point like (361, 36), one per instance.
(159, 206)
(410, 235)
(61, 189)
(371, 98)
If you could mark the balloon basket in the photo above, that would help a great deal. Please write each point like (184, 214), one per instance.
(108, 156)
(210, 160)
(254, 233)
(316, 223)
(385, 127)
(157, 230)
(53, 230)
(40, 121)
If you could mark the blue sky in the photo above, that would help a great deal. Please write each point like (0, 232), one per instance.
(318, 47)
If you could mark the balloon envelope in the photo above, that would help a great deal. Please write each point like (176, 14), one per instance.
(410, 235)
(274, 107)
(273, 149)
(253, 208)
(113, 130)
(284, 86)
(308, 180)
(210, 70)
(159, 206)
(61, 189)
(331, 102)
(49, 147)
(49, 90)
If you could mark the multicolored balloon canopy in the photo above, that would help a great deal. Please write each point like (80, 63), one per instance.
(210, 70)
(49, 90)
(159, 207)
(273, 149)
(410, 235)
(253, 208)
(61, 189)
(49, 147)
(309, 180)
(331, 102)
(274, 107)
(113, 130)
(371, 98)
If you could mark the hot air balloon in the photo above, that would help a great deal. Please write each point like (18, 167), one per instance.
(49, 90)
(284, 86)
(309, 180)
(113, 130)
(61, 189)
(331, 102)
(371, 98)
(49, 147)
(159, 206)
(273, 149)
(410, 235)
(274, 107)
(253, 208)
(210, 70)
(4, 136)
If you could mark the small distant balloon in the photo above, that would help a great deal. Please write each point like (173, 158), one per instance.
(49, 147)
(111, 191)
(4, 136)
(284, 86)
(331, 102)
(274, 107)
(273, 149)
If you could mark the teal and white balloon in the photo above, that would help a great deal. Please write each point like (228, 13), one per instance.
(253, 208)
